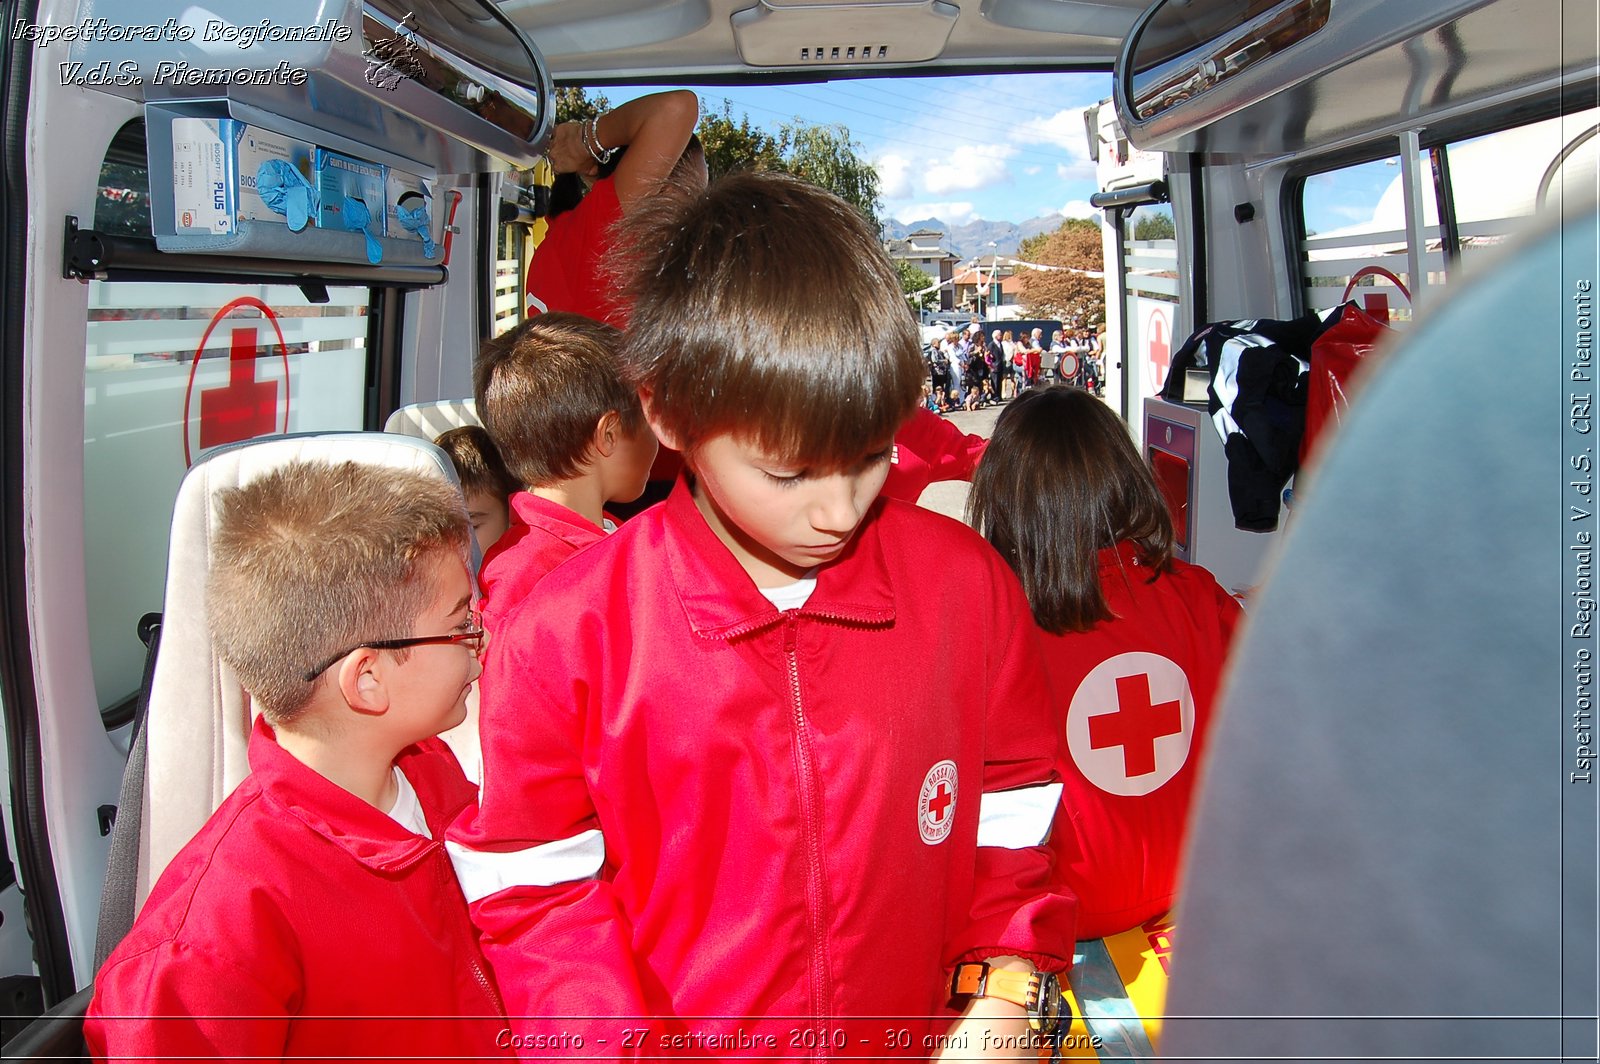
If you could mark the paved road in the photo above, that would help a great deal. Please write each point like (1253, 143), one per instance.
(950, 497)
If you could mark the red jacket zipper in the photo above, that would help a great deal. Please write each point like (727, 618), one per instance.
(816, 898)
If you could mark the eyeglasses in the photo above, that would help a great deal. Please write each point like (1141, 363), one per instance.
(472, 639)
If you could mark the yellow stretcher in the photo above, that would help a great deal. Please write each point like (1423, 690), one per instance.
(1118, 989)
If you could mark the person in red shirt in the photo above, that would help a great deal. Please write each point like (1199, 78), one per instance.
(1135, 642)
(315, 914)
(929, 448)
(570, 429)
(607, 166)
(751, 784)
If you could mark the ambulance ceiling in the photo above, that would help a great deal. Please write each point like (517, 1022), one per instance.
(688, 40)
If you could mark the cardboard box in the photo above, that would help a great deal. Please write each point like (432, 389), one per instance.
(205, 186)
(343, 176)
(214, 166)
(401, 186)
(256, 146)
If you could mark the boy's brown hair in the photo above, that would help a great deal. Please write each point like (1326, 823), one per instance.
(478, 464)
(316, 557)
(1059, 482)
(541, 389)
(765, 307)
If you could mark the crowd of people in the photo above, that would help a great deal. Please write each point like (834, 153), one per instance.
(751, 784)
(971, 368)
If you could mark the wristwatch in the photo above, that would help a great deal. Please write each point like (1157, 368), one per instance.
(1038, 992)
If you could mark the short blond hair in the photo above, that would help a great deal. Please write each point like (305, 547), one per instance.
(316, 557)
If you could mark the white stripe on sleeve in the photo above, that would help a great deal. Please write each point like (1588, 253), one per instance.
(483, 872)
(1015, 820)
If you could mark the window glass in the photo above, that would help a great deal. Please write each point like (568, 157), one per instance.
(508, 273)
(1499, 180)
(1355, 227)
(170, 370)
(1150, 287)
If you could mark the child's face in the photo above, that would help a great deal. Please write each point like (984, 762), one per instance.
(778, 520)
(489, 517)
(431, 695)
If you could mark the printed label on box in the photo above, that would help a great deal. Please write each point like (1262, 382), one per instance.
(340, 177)
(203, 190)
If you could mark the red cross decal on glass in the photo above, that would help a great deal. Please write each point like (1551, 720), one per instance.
(245, 407)
(1136, 725)
(1160, 346)
(939, 804)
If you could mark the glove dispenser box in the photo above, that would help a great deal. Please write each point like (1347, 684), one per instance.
(220, 184)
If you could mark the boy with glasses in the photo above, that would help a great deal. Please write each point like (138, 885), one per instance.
(315, 914)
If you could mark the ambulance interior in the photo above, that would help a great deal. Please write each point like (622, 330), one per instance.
(1394, 763)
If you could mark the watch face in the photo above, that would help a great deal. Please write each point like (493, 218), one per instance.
(1050, 1007)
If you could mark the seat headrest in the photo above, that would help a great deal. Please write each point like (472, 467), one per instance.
(199, 717)
(428, 420)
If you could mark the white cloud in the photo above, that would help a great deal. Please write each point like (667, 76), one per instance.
(967, 167)
(894, 177)
(1080, 209)
(957, 213)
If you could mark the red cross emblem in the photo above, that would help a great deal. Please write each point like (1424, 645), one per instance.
(1159, 342)
(244, 407)
(1136, 725)
(936, 802)
(1131, 723)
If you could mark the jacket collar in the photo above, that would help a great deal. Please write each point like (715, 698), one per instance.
(722, 602)
(365, 832)
(567, 524)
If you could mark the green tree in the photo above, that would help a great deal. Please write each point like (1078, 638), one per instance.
(1154, 227)
(913, 281)
(574, 105)
(734, 146)
(828, 157)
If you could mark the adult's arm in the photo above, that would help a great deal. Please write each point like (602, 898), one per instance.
(655, 129)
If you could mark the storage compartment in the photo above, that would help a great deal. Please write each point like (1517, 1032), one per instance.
(449, 87)
(205, 166)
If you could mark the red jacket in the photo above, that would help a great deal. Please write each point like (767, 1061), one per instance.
(929, 448)
(565, 273)
(1137, 695)
(300, 922)
(699, 809)
(542, 535)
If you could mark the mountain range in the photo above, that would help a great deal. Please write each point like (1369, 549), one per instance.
(973, 239)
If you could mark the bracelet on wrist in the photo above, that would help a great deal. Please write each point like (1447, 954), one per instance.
(591, 141)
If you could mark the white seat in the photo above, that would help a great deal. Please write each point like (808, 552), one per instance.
(427, 420)
(199, 717)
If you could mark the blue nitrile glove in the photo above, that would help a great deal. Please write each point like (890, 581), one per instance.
(417, 220)
(356, 219)
(286, 191)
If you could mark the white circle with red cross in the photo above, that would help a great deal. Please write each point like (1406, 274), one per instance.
(936, 805)
(1131, 723)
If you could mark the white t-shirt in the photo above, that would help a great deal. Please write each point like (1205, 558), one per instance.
(407, 811)
(791, 596)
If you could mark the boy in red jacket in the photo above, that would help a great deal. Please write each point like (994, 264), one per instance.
(571, 431)
(315, 914)
(735, 803)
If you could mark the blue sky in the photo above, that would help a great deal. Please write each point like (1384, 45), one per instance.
(1000, 147)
